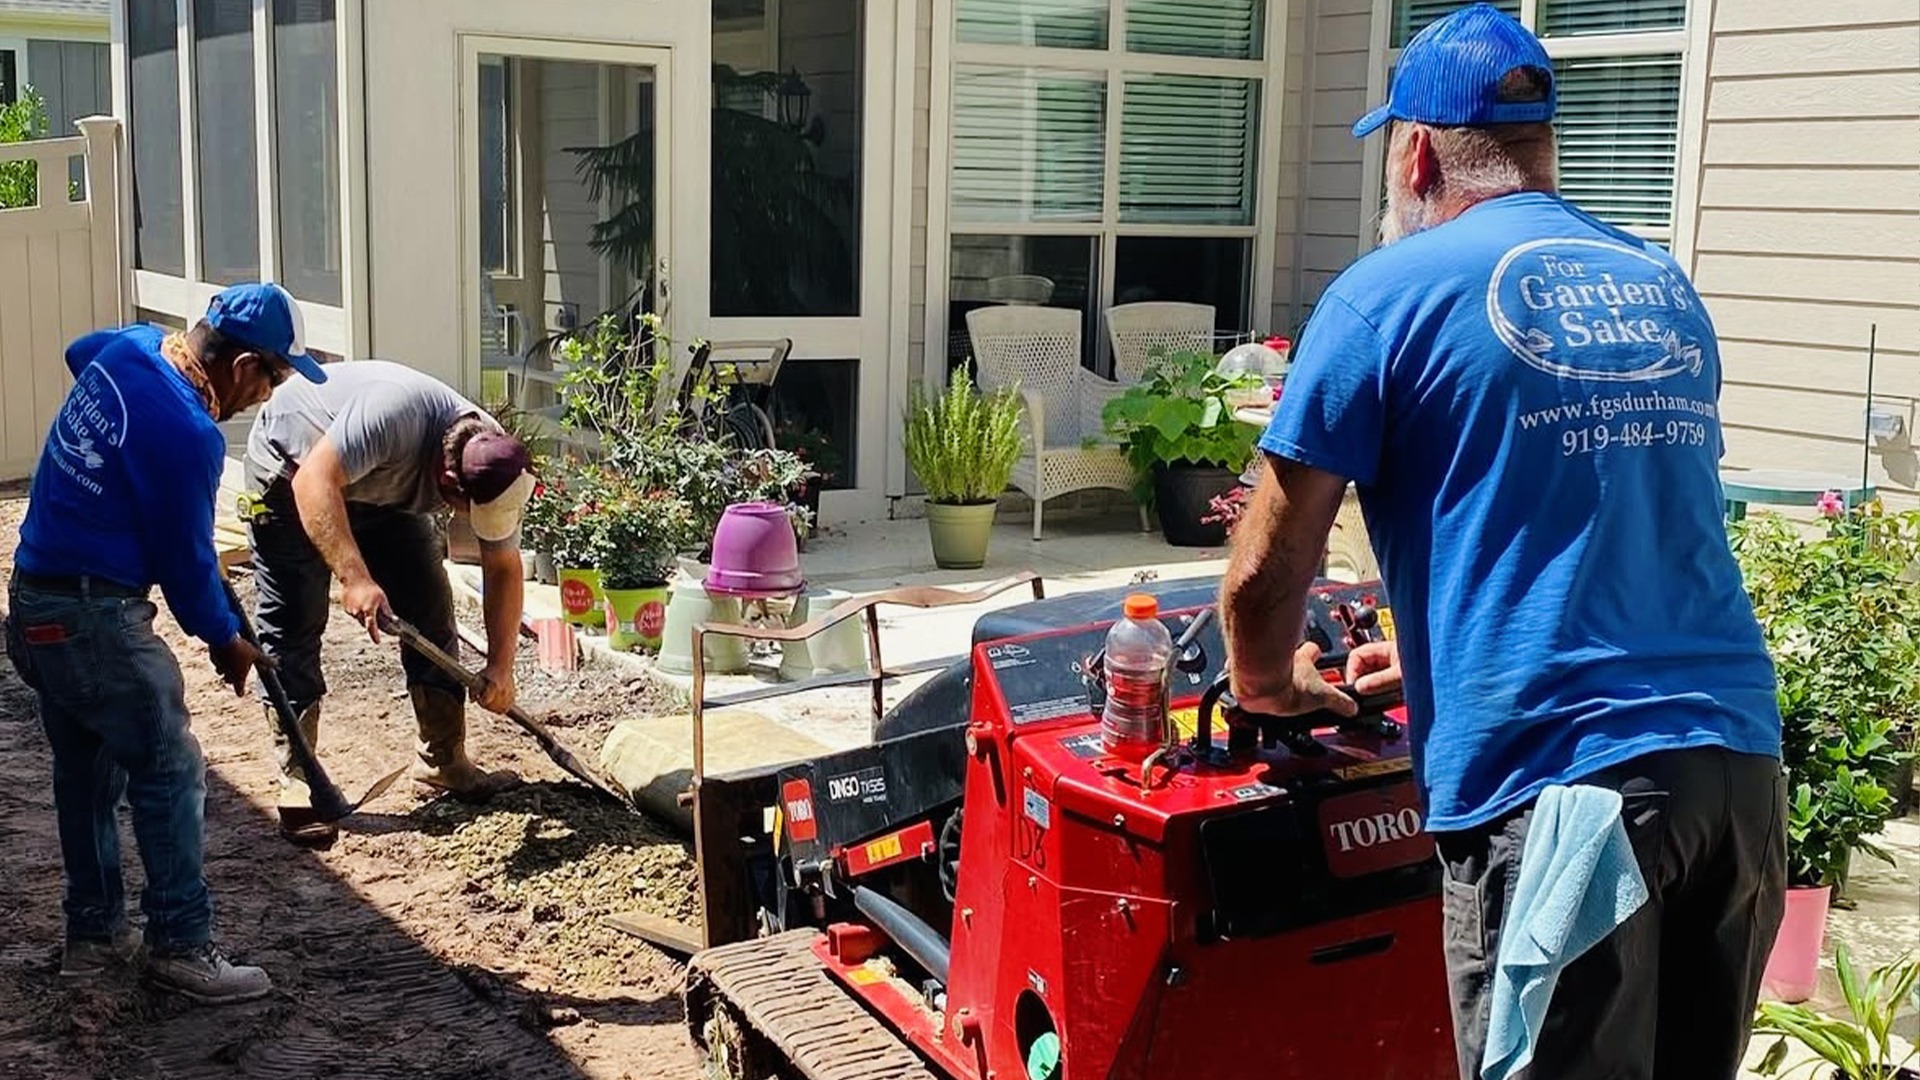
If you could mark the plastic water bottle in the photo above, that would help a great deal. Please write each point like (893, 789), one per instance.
(1139, 650)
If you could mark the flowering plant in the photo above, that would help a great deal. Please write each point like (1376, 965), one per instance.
(1840, 611)
(639, 534)
(1229, 508)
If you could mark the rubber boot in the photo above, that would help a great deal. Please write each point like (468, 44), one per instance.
(295, 801)
(443, 765)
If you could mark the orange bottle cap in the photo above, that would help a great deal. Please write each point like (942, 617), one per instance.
(1142, 606)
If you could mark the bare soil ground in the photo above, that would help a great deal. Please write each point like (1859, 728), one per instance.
(434, 941)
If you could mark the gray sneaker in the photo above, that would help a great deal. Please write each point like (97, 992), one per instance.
(85, 959)
(205, 975)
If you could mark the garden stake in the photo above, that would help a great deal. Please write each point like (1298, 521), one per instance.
(561, 756)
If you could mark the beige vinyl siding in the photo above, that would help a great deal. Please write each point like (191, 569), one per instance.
(1806, 228)
(922, 155)
(1330, 219)
(1291, 181)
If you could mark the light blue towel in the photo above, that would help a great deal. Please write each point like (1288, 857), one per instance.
(1578, 881)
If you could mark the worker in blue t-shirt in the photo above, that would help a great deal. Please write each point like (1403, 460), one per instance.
(1527, 401)
(122, 500)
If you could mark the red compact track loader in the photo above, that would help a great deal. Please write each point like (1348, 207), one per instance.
(984, 893)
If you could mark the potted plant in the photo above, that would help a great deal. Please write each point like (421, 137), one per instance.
(1177, 429)
(1859, 1047)
(962, 445)
(641, 536)
(576, 550)
(815, 450)
(540, 522)
(1838, 612)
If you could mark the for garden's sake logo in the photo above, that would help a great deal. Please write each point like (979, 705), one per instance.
(93, 417)
(1591, 309)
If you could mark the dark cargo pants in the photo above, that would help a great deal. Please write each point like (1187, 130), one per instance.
(403, 552)
(1670, 994)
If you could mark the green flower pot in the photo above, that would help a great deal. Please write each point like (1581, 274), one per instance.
(580, 600)
(960, 534)
(636, 617)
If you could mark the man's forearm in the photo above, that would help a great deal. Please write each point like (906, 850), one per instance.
(323, 513)
(505, 597)
(1276, 553)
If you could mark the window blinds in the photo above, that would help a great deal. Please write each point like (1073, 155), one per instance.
(1054, 24)
(1618, 130)
(1187, 150)
(1412, 16)
(1566, 17)
(1027, 145)
(1228, 29)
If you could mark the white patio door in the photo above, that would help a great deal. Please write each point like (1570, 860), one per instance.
(566, 200)
(799, 230)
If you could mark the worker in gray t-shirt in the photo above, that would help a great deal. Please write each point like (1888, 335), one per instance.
(347, 480)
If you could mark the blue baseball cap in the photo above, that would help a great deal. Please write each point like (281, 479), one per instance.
(1450, 74)
(263, 315)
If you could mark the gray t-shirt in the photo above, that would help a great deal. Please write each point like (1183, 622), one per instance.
(386, 419)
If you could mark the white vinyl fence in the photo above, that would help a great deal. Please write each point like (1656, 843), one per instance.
(63, 272)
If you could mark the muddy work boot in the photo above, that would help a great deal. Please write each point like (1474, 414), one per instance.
(205, 975)
(84, 958)
(443, 765)
(295, 801)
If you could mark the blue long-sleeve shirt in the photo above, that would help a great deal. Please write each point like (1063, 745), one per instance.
(127, 480)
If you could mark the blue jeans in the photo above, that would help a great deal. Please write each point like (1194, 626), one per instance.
(115, 711)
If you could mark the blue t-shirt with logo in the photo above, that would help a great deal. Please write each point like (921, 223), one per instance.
(1526, 399)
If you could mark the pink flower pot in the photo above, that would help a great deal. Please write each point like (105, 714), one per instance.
(755, 552)
(1793, 968)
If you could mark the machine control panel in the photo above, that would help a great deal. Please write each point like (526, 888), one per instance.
(1051, 676)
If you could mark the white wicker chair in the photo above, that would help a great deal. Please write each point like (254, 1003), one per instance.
(1137, 331)
(1038, 348)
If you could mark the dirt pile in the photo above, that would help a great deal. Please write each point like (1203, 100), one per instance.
(555, 859)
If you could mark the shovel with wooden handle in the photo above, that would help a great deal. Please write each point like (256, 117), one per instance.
(561, 756)
(325, 803)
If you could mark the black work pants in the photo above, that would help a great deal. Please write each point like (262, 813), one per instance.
(1670, 994)
(403, 552)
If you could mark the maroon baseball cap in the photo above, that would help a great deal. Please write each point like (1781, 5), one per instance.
(496, 472)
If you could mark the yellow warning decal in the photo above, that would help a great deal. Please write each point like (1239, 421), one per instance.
(1372, 768)
(1386, 623)
(887, 847)
(1185, 721)
(864, 976)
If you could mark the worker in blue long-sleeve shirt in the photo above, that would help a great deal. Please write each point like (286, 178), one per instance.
(123, 500)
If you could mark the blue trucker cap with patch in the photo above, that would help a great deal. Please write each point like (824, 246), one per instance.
(1454, 72)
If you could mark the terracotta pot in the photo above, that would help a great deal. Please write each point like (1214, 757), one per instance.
(580, 600)
(960, 534)
(1793, 968)
(636, 617)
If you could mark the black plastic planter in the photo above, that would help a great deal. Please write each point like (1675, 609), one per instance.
(1183, 493)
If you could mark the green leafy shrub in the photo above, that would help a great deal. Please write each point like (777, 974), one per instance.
(1860, 1047)
(23, 121)
(639, 535)
(1841, 616)
(963, 444)
(1181, 412)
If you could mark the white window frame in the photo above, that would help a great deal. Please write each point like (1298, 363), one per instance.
(339, 330)
(1671, 42)
(1115, 63)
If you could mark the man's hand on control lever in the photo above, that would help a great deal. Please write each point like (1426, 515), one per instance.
(1374, 667)
(1303, 689)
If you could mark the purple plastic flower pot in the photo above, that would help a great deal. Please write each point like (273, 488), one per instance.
(755, 552)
